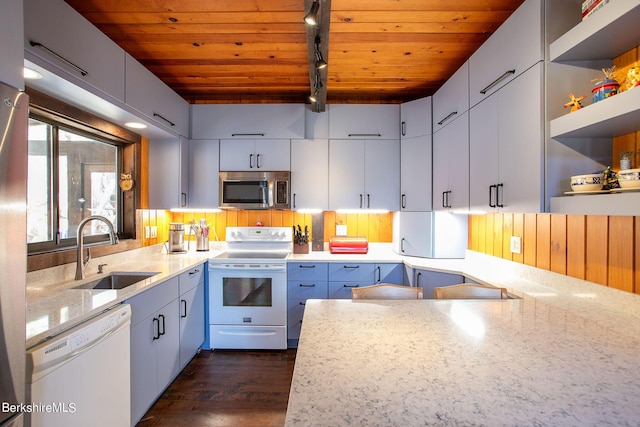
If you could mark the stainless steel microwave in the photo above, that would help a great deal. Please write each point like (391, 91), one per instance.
(254, 190)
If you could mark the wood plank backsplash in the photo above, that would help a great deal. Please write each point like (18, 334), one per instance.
(600, 249)
(376, 227)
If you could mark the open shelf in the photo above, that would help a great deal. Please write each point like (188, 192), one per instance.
(611, 117)
(608, 33)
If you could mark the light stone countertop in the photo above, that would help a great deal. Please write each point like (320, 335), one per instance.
(53, 306)
(566, 353)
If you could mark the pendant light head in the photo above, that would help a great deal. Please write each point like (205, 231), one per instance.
(320, 62)
(311, 18)
(314, 96)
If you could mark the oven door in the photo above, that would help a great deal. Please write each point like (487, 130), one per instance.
(247, 295)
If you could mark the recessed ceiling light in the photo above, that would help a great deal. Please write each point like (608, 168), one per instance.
(30, 74)
(135, 125)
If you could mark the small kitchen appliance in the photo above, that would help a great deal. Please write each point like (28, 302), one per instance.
(176, 238)
(254, 190)
(248, 290)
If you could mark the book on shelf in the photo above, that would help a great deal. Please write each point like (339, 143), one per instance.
(591, 6)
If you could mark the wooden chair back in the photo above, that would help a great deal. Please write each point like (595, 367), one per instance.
(469, 291)
(386, 291)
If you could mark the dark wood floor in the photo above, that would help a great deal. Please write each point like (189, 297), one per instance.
(227, 388)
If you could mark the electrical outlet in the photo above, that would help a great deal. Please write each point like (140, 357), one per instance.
(147, 232)
(153, 232)
(516, 242)
(341, 230)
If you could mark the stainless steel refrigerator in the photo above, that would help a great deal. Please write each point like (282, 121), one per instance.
(14, 116)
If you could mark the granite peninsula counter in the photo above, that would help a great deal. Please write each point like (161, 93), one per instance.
(567, 353)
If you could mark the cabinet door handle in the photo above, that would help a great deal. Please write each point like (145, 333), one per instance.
(403, 201)
(403, 129)
(350, 286)
(258, 161)
(418, 279)
(302, 285)
(302, 303)
(251, 161)
(184, 308)
(351, 266)
(491, 187)
(156, 332)
(160, 333)
(183, 196)
(444, 204)
(368, 201)
(82, 71)
(307, 266)
(247, 134)
(351, 135)
(496, 81)
(448, 202)
(499, 202)
(448, 117)
(160, 116)
(361, 201)
(196, 271)
(379, 274)
(294, 200)
(402, 244)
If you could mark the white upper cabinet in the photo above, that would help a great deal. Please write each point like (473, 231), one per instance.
(415, 173)
(512, 49)
(61, 40)
(247, 121)
(154, 99)
(11, 34)
(415, 118)
(310, 174)
(204, 158)
(451, 165)
(168, 173)
(452, 99)
(507, 147)
(364, 121)
(255, 154)
(364, 174)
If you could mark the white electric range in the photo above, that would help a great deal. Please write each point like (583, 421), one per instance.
(248, 289)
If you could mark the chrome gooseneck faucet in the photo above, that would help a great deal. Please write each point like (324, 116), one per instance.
(81, 263)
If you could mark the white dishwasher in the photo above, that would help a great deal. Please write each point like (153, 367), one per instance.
(82, 376)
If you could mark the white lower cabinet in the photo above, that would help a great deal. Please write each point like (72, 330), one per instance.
(155, 341)
(192, 313)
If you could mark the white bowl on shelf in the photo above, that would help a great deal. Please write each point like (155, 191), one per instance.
(588, 182)
(629, 178)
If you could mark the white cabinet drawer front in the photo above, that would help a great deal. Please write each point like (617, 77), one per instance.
(308, 271)
(342, 290)
(191, 278)
(512, 49)
(307, 289)
(85, 53)
(363, 121)
(148, 302)
(247, 121)
(351, 272)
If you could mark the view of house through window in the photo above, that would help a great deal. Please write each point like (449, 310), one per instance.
(71, 175)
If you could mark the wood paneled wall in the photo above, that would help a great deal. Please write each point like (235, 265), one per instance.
(600, 249)
(376, 227)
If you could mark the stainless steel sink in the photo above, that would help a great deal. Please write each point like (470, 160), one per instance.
(117, 280)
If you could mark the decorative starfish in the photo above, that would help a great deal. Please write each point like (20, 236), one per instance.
(574, 103)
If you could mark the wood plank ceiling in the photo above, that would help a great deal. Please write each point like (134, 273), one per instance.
(255, 51)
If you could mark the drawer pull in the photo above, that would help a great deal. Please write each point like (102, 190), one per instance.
(307, 266)
(447, 118)
(302, 303)
(161, 117)
(60, 57)
(350, 286)
(307, 286)
(196, 271)
(351, 266)
(363, 135)
(496, 81)
(247, 134)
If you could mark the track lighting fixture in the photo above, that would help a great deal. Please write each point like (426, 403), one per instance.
(311, 18)
(314, 96)
(320, 62)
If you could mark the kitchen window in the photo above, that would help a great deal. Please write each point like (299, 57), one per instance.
(74, 165)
